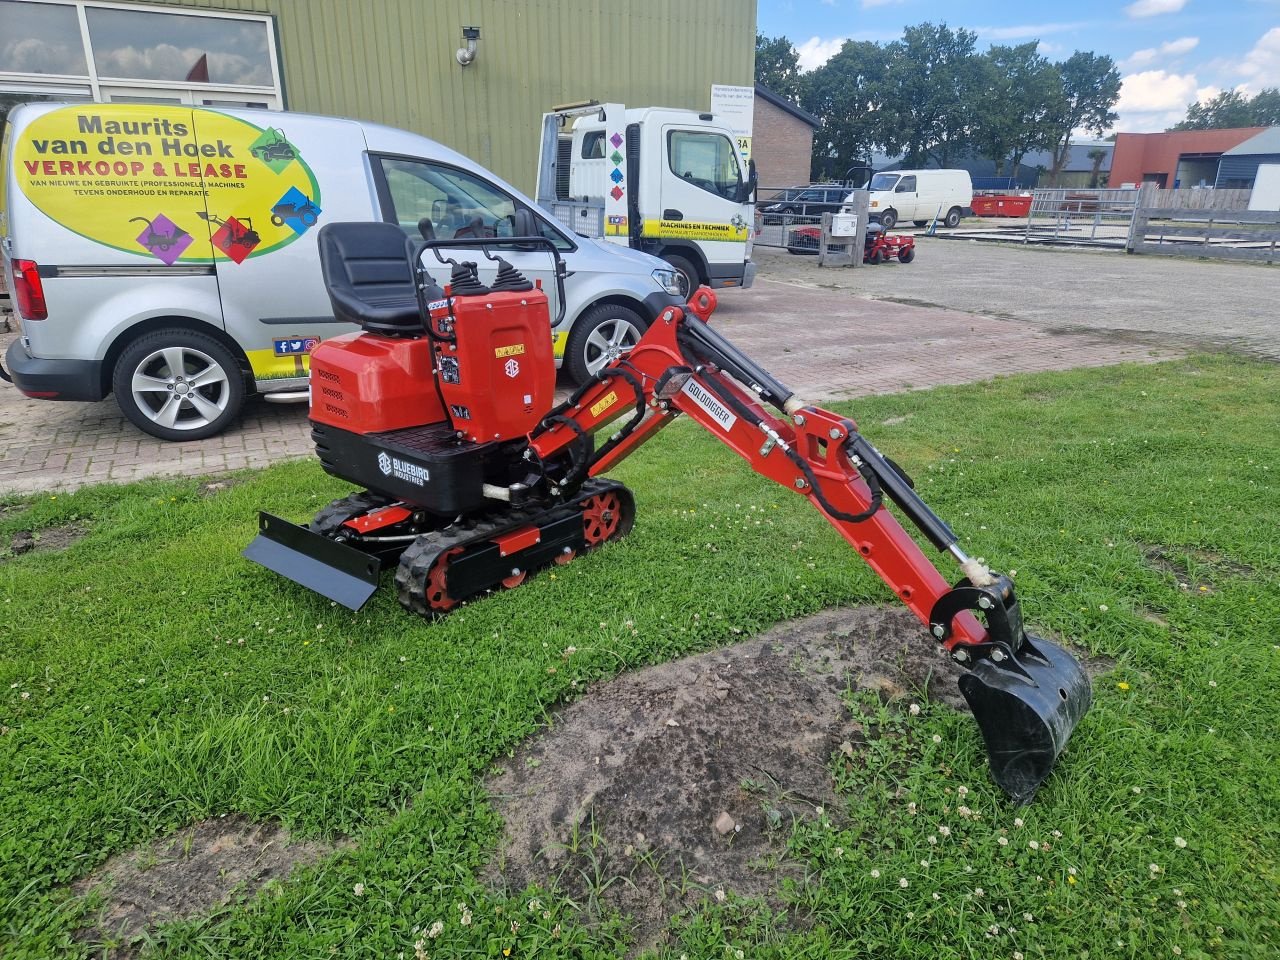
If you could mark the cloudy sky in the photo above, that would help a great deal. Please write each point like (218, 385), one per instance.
(1170, 52)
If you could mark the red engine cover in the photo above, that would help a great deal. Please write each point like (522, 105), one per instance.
(369, 384)
(499, 377)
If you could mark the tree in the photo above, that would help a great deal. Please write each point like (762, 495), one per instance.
(1097, 155)
(845, 94)
(778, 67)
(1090, 87)
(1012, 117)
(931, 92)
(1233, 109)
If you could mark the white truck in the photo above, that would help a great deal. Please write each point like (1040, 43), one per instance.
(664, 181)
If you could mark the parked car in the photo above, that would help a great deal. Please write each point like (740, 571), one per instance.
(811, 201)
(919, 196)
(155, 252)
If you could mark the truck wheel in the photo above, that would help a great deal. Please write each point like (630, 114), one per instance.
(686, 270)
(889, 218)
(178, 384)
(953, 217)
(906, 255)
(600, 336)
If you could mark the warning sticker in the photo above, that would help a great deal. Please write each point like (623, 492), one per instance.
(604, 403)
(515, 350)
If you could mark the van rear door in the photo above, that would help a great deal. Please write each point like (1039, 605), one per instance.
(271, 179)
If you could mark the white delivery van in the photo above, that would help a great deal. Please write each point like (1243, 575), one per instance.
(665, 181)
(920, 196)
(168, 254)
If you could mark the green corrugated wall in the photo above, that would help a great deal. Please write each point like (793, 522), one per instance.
(392, 61)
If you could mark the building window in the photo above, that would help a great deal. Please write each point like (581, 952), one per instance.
(82, 49)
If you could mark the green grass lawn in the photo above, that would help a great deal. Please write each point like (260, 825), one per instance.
(150, 677)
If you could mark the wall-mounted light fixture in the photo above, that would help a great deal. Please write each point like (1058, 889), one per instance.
(467, 54)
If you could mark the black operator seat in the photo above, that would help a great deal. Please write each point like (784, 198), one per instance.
(367, 273)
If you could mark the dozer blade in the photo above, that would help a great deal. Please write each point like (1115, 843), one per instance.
(332, 569)
(1026, 707)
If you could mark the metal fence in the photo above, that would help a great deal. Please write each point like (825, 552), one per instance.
(1064, 215)
(1217, 234)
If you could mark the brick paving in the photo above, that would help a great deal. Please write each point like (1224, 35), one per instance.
(820, 332)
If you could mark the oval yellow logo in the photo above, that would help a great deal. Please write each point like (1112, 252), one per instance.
(170, 183)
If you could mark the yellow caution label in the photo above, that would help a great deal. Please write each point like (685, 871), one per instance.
(695, 230)
(603, 404)
(512, 351)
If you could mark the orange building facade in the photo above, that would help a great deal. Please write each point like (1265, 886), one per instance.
(1184, 158)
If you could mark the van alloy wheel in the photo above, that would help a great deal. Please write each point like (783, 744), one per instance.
(179, 384)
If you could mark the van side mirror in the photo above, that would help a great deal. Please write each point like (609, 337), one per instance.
(746, 191)
(524, 224)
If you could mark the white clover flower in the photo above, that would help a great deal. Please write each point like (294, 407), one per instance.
(1003, 841)
(944, 830)
(978, 892)
(1017, 821)
(914, 709)
(720, 896)
(1177, 951)
(1028, 918)
(358, 889)
(1034, 844)
(937, 738)
(466, 918)
(875, 874)
(1153, 867)
(1179, 842)
(962, 791)
(903, 882)
(437, 928)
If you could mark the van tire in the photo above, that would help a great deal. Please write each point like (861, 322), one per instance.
(599, 335)
(921, 223)
(687, 270)
(888, 218)
(145, 367)
(952, 218)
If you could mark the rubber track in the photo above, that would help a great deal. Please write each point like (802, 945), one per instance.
(331, 518)
(418, 557)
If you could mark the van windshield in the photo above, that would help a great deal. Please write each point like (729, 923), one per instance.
(883, 181)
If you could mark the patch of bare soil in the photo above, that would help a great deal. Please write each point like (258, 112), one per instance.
(199, 868)
(47, 539)
(1192, 567)
(671, 782)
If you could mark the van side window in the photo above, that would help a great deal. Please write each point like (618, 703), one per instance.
(906, 185)
(709, 161)
(457, 203)
(593, 145)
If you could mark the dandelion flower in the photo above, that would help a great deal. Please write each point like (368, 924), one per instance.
(1122, 685)
(1071, 880)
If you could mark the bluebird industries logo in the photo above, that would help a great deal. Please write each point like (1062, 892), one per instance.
(384, 464)
(513, 368)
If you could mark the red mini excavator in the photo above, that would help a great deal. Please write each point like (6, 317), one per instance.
(443, 410)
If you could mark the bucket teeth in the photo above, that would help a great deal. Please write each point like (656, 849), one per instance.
(1026, 705)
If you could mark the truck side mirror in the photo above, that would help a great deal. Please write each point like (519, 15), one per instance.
(746, 191)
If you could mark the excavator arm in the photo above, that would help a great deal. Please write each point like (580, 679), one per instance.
(1026, 693)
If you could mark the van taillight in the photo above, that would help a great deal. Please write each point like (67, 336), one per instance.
(29, 290)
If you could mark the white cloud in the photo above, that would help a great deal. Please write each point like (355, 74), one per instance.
(1155, 100)
(1028, 31)
(815, 51)
(1148, 56)
(1262, 64)
(1153, 8)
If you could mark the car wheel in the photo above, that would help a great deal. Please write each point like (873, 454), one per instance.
(921, 223)
(953, 217)
(688, 272)
(601, 335)
(179, 384)
(888, 218)
(907, 255)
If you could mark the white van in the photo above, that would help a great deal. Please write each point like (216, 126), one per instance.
(168, 253)
(920, 196)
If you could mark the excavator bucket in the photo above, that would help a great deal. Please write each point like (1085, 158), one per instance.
(332, 569)
(1026, 705)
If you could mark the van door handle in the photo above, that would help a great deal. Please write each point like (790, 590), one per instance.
(670, 214)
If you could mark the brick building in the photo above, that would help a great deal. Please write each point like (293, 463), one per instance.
(781, 141)
(1183, 158)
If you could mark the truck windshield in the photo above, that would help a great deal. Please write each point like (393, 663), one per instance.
(883, 181)
(709, 161)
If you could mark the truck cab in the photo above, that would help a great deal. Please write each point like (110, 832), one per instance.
(668, 182)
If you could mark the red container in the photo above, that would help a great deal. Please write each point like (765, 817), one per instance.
(1002, 205)
(369, 384)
